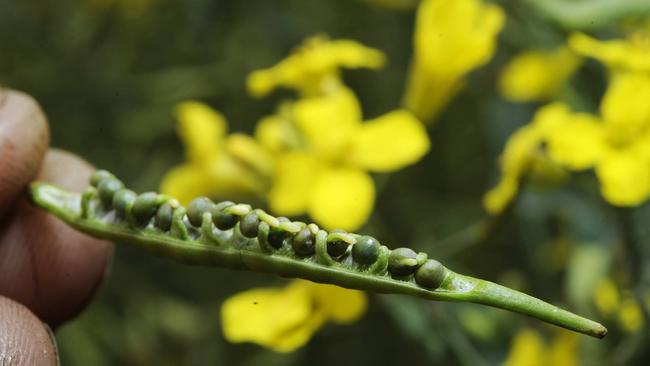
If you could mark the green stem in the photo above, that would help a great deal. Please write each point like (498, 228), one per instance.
(232, 250)
(590, 14)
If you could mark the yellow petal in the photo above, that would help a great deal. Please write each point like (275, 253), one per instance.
(296, 174)
(313, 68)
(606, 297)
(201, 129)
(274, 133)
(249, 152)
(339, 304)
(537, 75)
(390, 142)
(519, 150)
(498, 198)
(632, 54)
(220, 178)
(527, 349)
(328, 122)
(296, 337)
(578, 143)
(624, 178)
(630, 315)
(186, 182)
(550, 117)
(563, 350)
(265, 315)
(464, 31)
(342, 198)
(625, 107)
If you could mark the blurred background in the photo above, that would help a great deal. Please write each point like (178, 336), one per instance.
(109, 74)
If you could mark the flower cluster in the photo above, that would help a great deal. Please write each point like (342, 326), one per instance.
(615, 143)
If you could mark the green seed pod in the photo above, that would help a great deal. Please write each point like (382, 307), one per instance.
(145, 207)
(402, 261)
(430, 274)
(197, 208)
(222, 220)
(107, 189)
(98, 176)
(164, 217)
(303, 243)
(337, 248)
(122, 199)
(249, 225)
(365, 250)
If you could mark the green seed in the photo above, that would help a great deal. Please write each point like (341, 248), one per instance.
(222, 220)
(107, 189)
(402, 261)
(145, 207)
(365, 250)
(337, 248)
(164, 217)
(278, 236)
(249, 225)
(303, 243)
(430, 274)
(122, 199)
(197, 208)
(98, 176)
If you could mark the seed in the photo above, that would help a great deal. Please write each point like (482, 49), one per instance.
(107, 189)
(164, 217)
(197, 208)
(222, 220)
(430, 274)
(249, 225)
(122, 199)
(303, 242)
(277, 236)
(98, 176)
(145, 207)
(337, 248)
(402, 261)
(365, 250)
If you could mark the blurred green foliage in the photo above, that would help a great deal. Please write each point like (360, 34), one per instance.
(108, 74)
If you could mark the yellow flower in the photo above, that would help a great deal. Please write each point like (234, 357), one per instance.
(313, 69)
(529, 349)
(537, 75)
(451, 39)
(623, 306)
(285, 319)
(521, 153)
(324, 171)
(631, 54)
(618, 147)
(217, 165)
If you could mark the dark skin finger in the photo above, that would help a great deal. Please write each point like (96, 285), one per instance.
(24, 340)
(24, 137)
(47, 266)
(44, 265)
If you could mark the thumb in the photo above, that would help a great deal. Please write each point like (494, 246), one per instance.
(24, 340)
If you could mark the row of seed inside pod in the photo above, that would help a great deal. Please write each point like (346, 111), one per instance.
(402, 262)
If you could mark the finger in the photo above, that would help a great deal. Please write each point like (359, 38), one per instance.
(44, 264)
(24, 340)
(24, 136)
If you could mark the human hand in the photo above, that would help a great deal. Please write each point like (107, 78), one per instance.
(48, 271)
